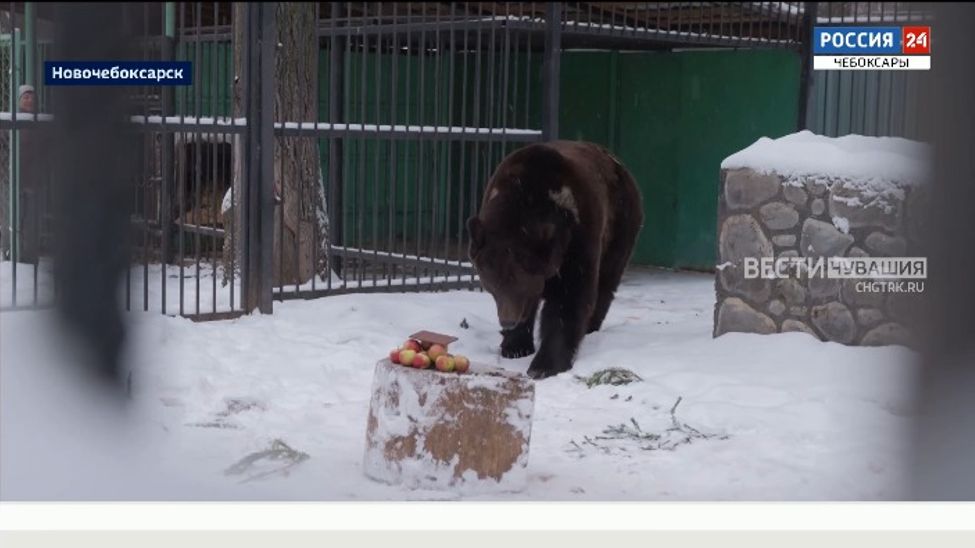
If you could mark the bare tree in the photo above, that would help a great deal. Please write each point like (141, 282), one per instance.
(300, 220)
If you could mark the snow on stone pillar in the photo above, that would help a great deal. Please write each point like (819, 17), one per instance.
(466, 433)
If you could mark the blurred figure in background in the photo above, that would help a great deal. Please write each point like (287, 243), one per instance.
(33, 175)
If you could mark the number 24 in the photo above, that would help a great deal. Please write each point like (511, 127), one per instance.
(914, 40)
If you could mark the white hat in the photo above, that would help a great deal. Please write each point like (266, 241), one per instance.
(24, 89)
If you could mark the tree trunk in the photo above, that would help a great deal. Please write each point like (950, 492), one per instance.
(231, 213)
(300, 223)
(300, 220)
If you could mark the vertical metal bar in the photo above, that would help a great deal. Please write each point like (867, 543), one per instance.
(880, 87)
(451, 74)
(13, 158)
(489, 115)
(268, 41)
(805, 60)
(233, 189)
(476, 112)
(336, 86)
(436, 144)
(529, 72)
(166, 168)
(393, 178)
(279, 199)
(421, 111)
(551, 72)
(198, 137)
(377, 146)
(132, 186)
(463, 148)
(406, 145)
(503, 115)
(260, 154)
(215, 147)
(319, 184)
(181, 182)
(680, 17)
(361, 148)
(445, 67)
(148, 151)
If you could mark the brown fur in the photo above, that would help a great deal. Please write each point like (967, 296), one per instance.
(533, 241)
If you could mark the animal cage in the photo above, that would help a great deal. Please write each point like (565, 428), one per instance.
(339, 147)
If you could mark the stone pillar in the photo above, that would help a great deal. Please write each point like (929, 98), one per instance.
(764, 214)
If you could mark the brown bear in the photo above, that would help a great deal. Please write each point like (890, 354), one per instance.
(558, 223)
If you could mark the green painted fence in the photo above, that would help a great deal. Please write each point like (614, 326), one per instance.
(672, 117)
(426, 194)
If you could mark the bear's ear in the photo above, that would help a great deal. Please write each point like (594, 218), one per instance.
(477, 232)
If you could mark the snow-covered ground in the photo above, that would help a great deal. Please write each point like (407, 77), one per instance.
(787, 417)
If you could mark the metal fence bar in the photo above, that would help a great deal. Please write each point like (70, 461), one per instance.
(336, 86)
(393, 173)
(197, 160)
(450, 121)
(260, 166)
(419, 181)
(551, 72)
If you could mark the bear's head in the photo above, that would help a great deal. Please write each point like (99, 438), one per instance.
(513, 261)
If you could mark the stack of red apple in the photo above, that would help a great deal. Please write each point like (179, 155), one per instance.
(413, 354)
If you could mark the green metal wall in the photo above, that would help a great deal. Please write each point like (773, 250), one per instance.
(672, 117)
(427, 196)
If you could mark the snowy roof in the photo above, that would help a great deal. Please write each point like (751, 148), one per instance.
(850, 157)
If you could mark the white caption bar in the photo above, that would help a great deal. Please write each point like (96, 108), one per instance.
(872, 62)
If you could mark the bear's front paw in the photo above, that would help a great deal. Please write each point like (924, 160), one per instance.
(547, 365)
(517, 344)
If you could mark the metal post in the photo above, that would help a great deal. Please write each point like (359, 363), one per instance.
(336, 72)
(14, 161)
(551, 70)
(805, 76)
(30, 42)
(167, 108)
(259, 153)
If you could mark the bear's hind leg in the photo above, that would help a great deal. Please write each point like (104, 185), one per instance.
(610, 274)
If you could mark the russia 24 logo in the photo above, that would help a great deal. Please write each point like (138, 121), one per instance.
(916, 40)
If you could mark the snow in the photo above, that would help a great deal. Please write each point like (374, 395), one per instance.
(375, 128)
(785, 417)
(873, 161)
(6, 115)
(328, 126)
(842, 224)
(145, 285)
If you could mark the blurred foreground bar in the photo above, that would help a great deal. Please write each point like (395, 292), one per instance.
(944, 444)
(94, 163)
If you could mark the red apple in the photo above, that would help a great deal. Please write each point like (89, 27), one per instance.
(436, 351)
(461, 364)
(421, 361)
(406, 356)
(394, 355)
(412, 345)
(445, 363)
